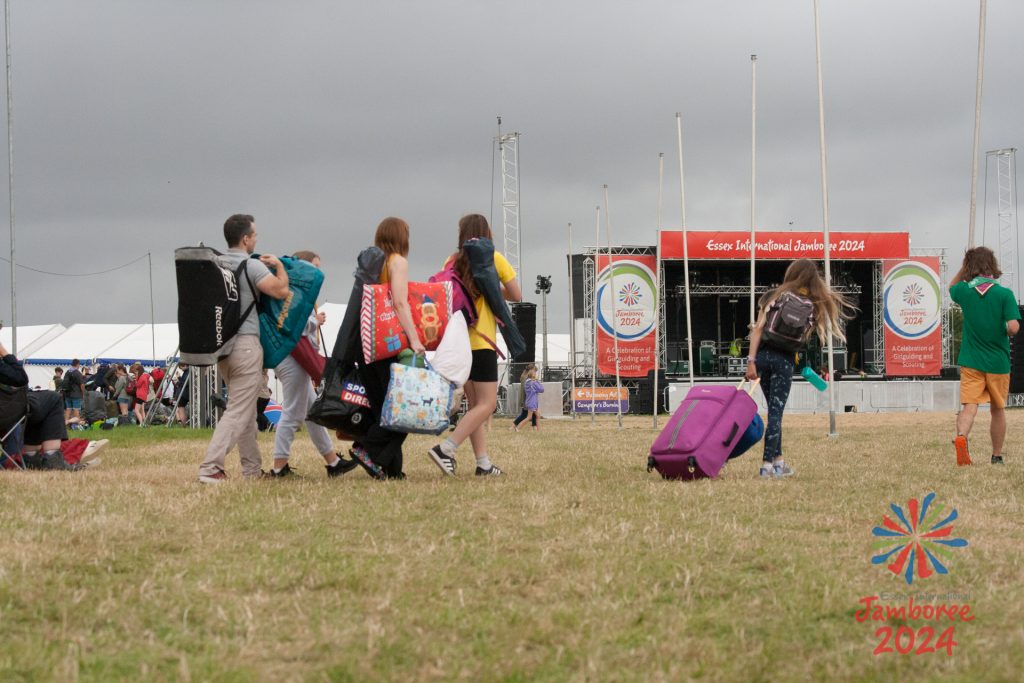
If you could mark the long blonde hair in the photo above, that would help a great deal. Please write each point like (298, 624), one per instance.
(530, 372)
(830, 308)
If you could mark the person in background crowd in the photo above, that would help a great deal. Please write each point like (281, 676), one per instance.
(182, 395)
(990, 318)
(532, 389)
(262, 421)
(124, 401)
(241, 367)
(143, 391)
(57, 381)
(73, 386)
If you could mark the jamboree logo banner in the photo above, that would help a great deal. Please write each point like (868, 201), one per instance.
(912, 313)
(626, 308)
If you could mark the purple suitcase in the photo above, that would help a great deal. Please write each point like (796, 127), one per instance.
(702, 432)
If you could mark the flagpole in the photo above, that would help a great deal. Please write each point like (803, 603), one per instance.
(753, 180)
(614, 296)
(657, 286)
(572, 336)
(686, 249)
(824, 215)
(10, 174)
(977, 122)
(597, 302)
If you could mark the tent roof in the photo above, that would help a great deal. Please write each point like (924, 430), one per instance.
(31, 337)
(138, 346)
(84, 341)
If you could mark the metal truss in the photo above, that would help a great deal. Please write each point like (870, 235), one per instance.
(1015, 401)
(508, 145)
(878, 361)
(1006, 209)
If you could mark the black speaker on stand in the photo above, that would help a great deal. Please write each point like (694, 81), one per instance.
(524, 314)
(1017, 361)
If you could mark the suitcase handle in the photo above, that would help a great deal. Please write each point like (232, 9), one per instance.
(750, 389)
(732, 434)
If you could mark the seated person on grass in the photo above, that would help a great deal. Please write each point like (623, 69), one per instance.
(44, 429)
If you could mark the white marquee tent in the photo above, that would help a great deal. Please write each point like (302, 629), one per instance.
(43, 347)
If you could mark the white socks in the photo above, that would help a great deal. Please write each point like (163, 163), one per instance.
(448, 447)
(483, 462)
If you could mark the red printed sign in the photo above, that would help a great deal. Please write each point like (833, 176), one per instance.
(627, 294)
(911, 305)
(735, 244)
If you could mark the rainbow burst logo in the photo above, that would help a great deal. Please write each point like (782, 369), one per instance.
(918, 540)
(913, 294)
(630, 294)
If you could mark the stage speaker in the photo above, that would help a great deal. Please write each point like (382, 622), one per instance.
(1017, 361)
(524, 314)
(950, 373)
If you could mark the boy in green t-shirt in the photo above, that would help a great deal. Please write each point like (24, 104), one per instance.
(990, 318)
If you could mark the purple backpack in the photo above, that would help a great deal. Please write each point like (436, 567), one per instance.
(461, 301)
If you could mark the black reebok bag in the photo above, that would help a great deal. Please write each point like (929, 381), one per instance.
(209, 303)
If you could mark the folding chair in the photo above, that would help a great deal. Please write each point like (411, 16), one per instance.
(13, 415)
(11, 443)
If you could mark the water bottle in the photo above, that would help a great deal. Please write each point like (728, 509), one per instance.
(811, 376)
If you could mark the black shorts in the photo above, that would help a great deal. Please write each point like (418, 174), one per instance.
(45, 418)
(485, 366)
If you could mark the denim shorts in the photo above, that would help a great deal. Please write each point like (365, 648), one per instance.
(73, 403)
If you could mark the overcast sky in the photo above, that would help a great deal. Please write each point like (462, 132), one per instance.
(140, 125)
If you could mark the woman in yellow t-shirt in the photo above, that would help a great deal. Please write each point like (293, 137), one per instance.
(482, 387)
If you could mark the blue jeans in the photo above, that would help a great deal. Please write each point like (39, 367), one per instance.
(775, 368)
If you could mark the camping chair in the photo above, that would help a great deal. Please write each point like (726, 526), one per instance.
(11, 443)
(13, 415)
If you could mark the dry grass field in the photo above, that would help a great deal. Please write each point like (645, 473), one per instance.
(578, 565)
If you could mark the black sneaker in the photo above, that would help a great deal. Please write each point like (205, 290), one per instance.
(493, 472)
(341, 467)
(997, 460)
(443, 461)
(54, 460)
(363, 460)
(286, 471)
(33, 461)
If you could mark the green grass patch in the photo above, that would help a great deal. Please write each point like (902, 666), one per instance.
(578, 565)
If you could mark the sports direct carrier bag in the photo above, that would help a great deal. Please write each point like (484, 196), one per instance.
(703, 431)
(209, 309)
(788, 320)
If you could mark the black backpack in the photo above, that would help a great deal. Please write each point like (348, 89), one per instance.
(788, 321)
(67, 385)
(209, 303)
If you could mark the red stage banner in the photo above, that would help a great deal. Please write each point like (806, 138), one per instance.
(735, 244)
(912, 312)
(627, 283)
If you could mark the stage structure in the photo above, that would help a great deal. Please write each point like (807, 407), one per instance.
(901, 329)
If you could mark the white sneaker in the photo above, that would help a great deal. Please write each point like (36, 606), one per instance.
(93, 449)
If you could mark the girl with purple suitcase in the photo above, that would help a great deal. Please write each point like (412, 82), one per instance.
(788, 314)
